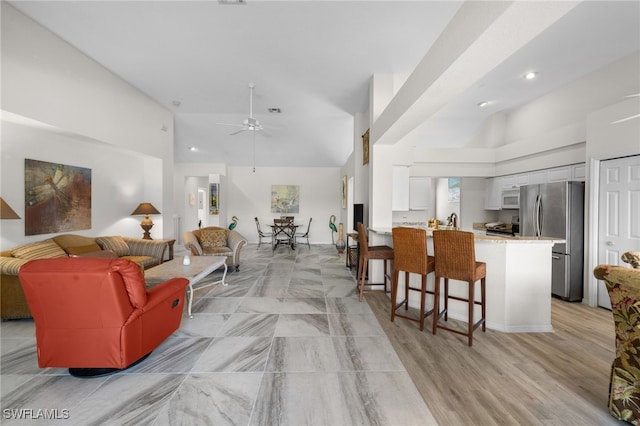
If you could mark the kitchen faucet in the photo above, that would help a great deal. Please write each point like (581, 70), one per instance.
(453, 221)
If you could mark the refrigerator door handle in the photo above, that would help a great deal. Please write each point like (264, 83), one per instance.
(538, 216)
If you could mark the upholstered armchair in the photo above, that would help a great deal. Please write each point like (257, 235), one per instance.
(215, 241)
(95, 316)
(623, 286)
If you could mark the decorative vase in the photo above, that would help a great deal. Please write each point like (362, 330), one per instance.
(340, 244)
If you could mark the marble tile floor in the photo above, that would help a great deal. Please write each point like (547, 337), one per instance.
(285, 343)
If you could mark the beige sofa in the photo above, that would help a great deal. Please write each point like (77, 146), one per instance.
(215, 241)
(13, 305)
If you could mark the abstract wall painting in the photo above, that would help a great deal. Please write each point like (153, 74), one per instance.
(285, 199)
(57, 197)
(214, 197)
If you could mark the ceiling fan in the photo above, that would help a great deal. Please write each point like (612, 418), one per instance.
(249, 123)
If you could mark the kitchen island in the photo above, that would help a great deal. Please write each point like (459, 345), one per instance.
(518, 289)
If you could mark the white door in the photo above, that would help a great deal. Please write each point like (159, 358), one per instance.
(619, 214)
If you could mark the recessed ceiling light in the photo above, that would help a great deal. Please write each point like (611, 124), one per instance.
(483, 104)
(192, 148)
(274, 110)
(531, 75)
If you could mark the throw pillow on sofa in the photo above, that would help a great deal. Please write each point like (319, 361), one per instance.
(210, 238)
(116, 244)
(45, 249)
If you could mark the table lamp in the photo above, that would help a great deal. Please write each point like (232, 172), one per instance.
(6, 212)
(145, 209)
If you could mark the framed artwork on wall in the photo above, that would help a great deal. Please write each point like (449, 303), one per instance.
(57, 197)
(214, 195)
(285, 199)
(344, 191)
(454, 190)
(365, 148)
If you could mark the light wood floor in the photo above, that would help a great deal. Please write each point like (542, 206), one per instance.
(559, 378)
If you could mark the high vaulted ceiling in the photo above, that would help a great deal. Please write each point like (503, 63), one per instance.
(314, 60)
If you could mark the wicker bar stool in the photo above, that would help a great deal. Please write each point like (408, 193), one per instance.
(456, 259)
(410, 256)
(367, 253)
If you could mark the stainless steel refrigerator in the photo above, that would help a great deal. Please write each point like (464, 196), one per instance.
(557, 210)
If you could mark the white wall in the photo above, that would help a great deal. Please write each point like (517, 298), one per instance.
(247, 195)
(472, 201)
(444, 207)
(116, 191)
(611, 133)
(76, 112)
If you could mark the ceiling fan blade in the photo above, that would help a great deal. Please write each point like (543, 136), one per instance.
(263, 133)
(239, 131)
(229, 124)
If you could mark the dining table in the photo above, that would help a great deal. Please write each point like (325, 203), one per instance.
(283, 231)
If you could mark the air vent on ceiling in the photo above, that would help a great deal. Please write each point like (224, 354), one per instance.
(236, 2)
(274, 110)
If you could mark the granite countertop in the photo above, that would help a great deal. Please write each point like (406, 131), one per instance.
(483, 238)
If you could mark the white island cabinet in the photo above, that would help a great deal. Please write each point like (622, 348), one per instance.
(518, 281)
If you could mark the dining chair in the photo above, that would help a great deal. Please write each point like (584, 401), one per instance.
(455, 258)
(410, 256)
(283, 233)
(305, 235)
(261, 234)
(367, 253)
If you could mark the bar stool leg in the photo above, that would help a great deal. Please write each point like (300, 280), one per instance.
(406, 291)
(484, 304)
(394, 293)
(362, 277)
(423, 293)
(446, 299)
(436, 303)
(471, 305)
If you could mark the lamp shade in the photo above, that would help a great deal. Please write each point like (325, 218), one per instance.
(6, 212)
(145, 209)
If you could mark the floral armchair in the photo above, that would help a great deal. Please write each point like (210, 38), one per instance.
(623, 286)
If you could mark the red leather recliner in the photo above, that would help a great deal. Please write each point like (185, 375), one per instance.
(95, 316)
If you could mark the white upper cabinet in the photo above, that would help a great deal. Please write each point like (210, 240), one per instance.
(400, 188)
(419, 193)
(578, 172)
(509, 181)
(539, 176)
(493, 199)
(522, 179)
(557, 174)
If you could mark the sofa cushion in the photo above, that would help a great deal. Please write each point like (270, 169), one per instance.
(45, 249)
(210, 238)
(109, 254)
(89, 248)
(11, 265)
(115, 243)
(144, 261)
